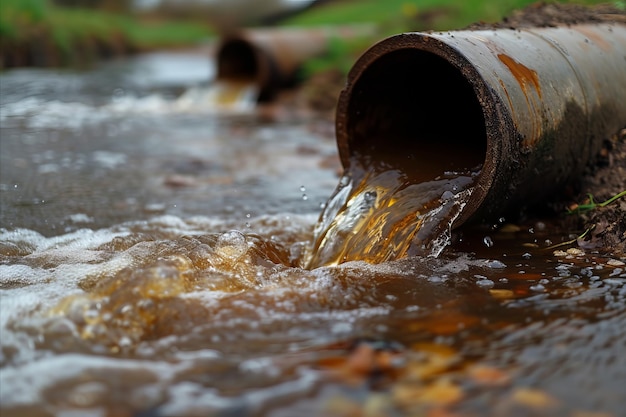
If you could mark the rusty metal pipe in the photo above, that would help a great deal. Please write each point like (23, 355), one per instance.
(270, 58)
(530, 106)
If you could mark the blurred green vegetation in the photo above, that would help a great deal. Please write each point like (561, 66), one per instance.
(397, 16)
(59, 32)
(403, 15)
(41, 33)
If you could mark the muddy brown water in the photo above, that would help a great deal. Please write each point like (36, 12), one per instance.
(149, 252)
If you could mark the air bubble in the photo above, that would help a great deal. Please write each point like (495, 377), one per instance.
(488, 241)
(495, 264)
(231, 245)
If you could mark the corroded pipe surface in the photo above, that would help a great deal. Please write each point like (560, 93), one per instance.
(530, 107)
(270, 58)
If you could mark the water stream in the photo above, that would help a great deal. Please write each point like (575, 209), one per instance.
(151, 252)
(385, 216)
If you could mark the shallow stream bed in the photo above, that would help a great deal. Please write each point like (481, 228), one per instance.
(149, 266)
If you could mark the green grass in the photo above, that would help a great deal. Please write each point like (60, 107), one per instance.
(591, 204)
(452, 14)
(17, 16)
(66, 36)
(396, 16)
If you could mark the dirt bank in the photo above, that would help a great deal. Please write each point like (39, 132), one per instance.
(606, 178)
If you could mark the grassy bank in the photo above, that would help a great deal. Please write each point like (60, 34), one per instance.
(37, 33)
(402, 15)
(396, 16)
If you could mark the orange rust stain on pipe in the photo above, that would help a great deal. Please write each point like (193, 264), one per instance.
(522, 73)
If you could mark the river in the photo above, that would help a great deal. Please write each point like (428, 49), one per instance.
(150, 265)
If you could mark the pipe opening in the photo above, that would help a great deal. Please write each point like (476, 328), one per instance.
(237, 60)
(414, 111)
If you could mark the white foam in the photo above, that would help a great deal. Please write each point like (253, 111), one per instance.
(25, 384)
(110, 160)
(40, 113)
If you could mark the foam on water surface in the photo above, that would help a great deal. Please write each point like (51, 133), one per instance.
(154, 290)
(178, 315)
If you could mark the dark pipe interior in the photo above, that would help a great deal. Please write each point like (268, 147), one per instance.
(414, 111)
(237, 59)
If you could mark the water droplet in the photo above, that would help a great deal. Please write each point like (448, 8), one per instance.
(501, 219)
(345, 180)
(124, 342)
(302, 188)
(305, 197)
(527, 255)
(531, 230)
(537, 288)
(488, 241)
(370, 197)
(322, 206)
(126, 309)
(504, 280)
(485, 283)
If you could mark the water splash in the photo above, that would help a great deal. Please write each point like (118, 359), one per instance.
(220, 97)
(223, 95)
(385, 216)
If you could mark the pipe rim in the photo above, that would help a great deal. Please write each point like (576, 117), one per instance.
(498, 124)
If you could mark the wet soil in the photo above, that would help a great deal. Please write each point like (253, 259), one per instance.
(607, 178)
(544, 14)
